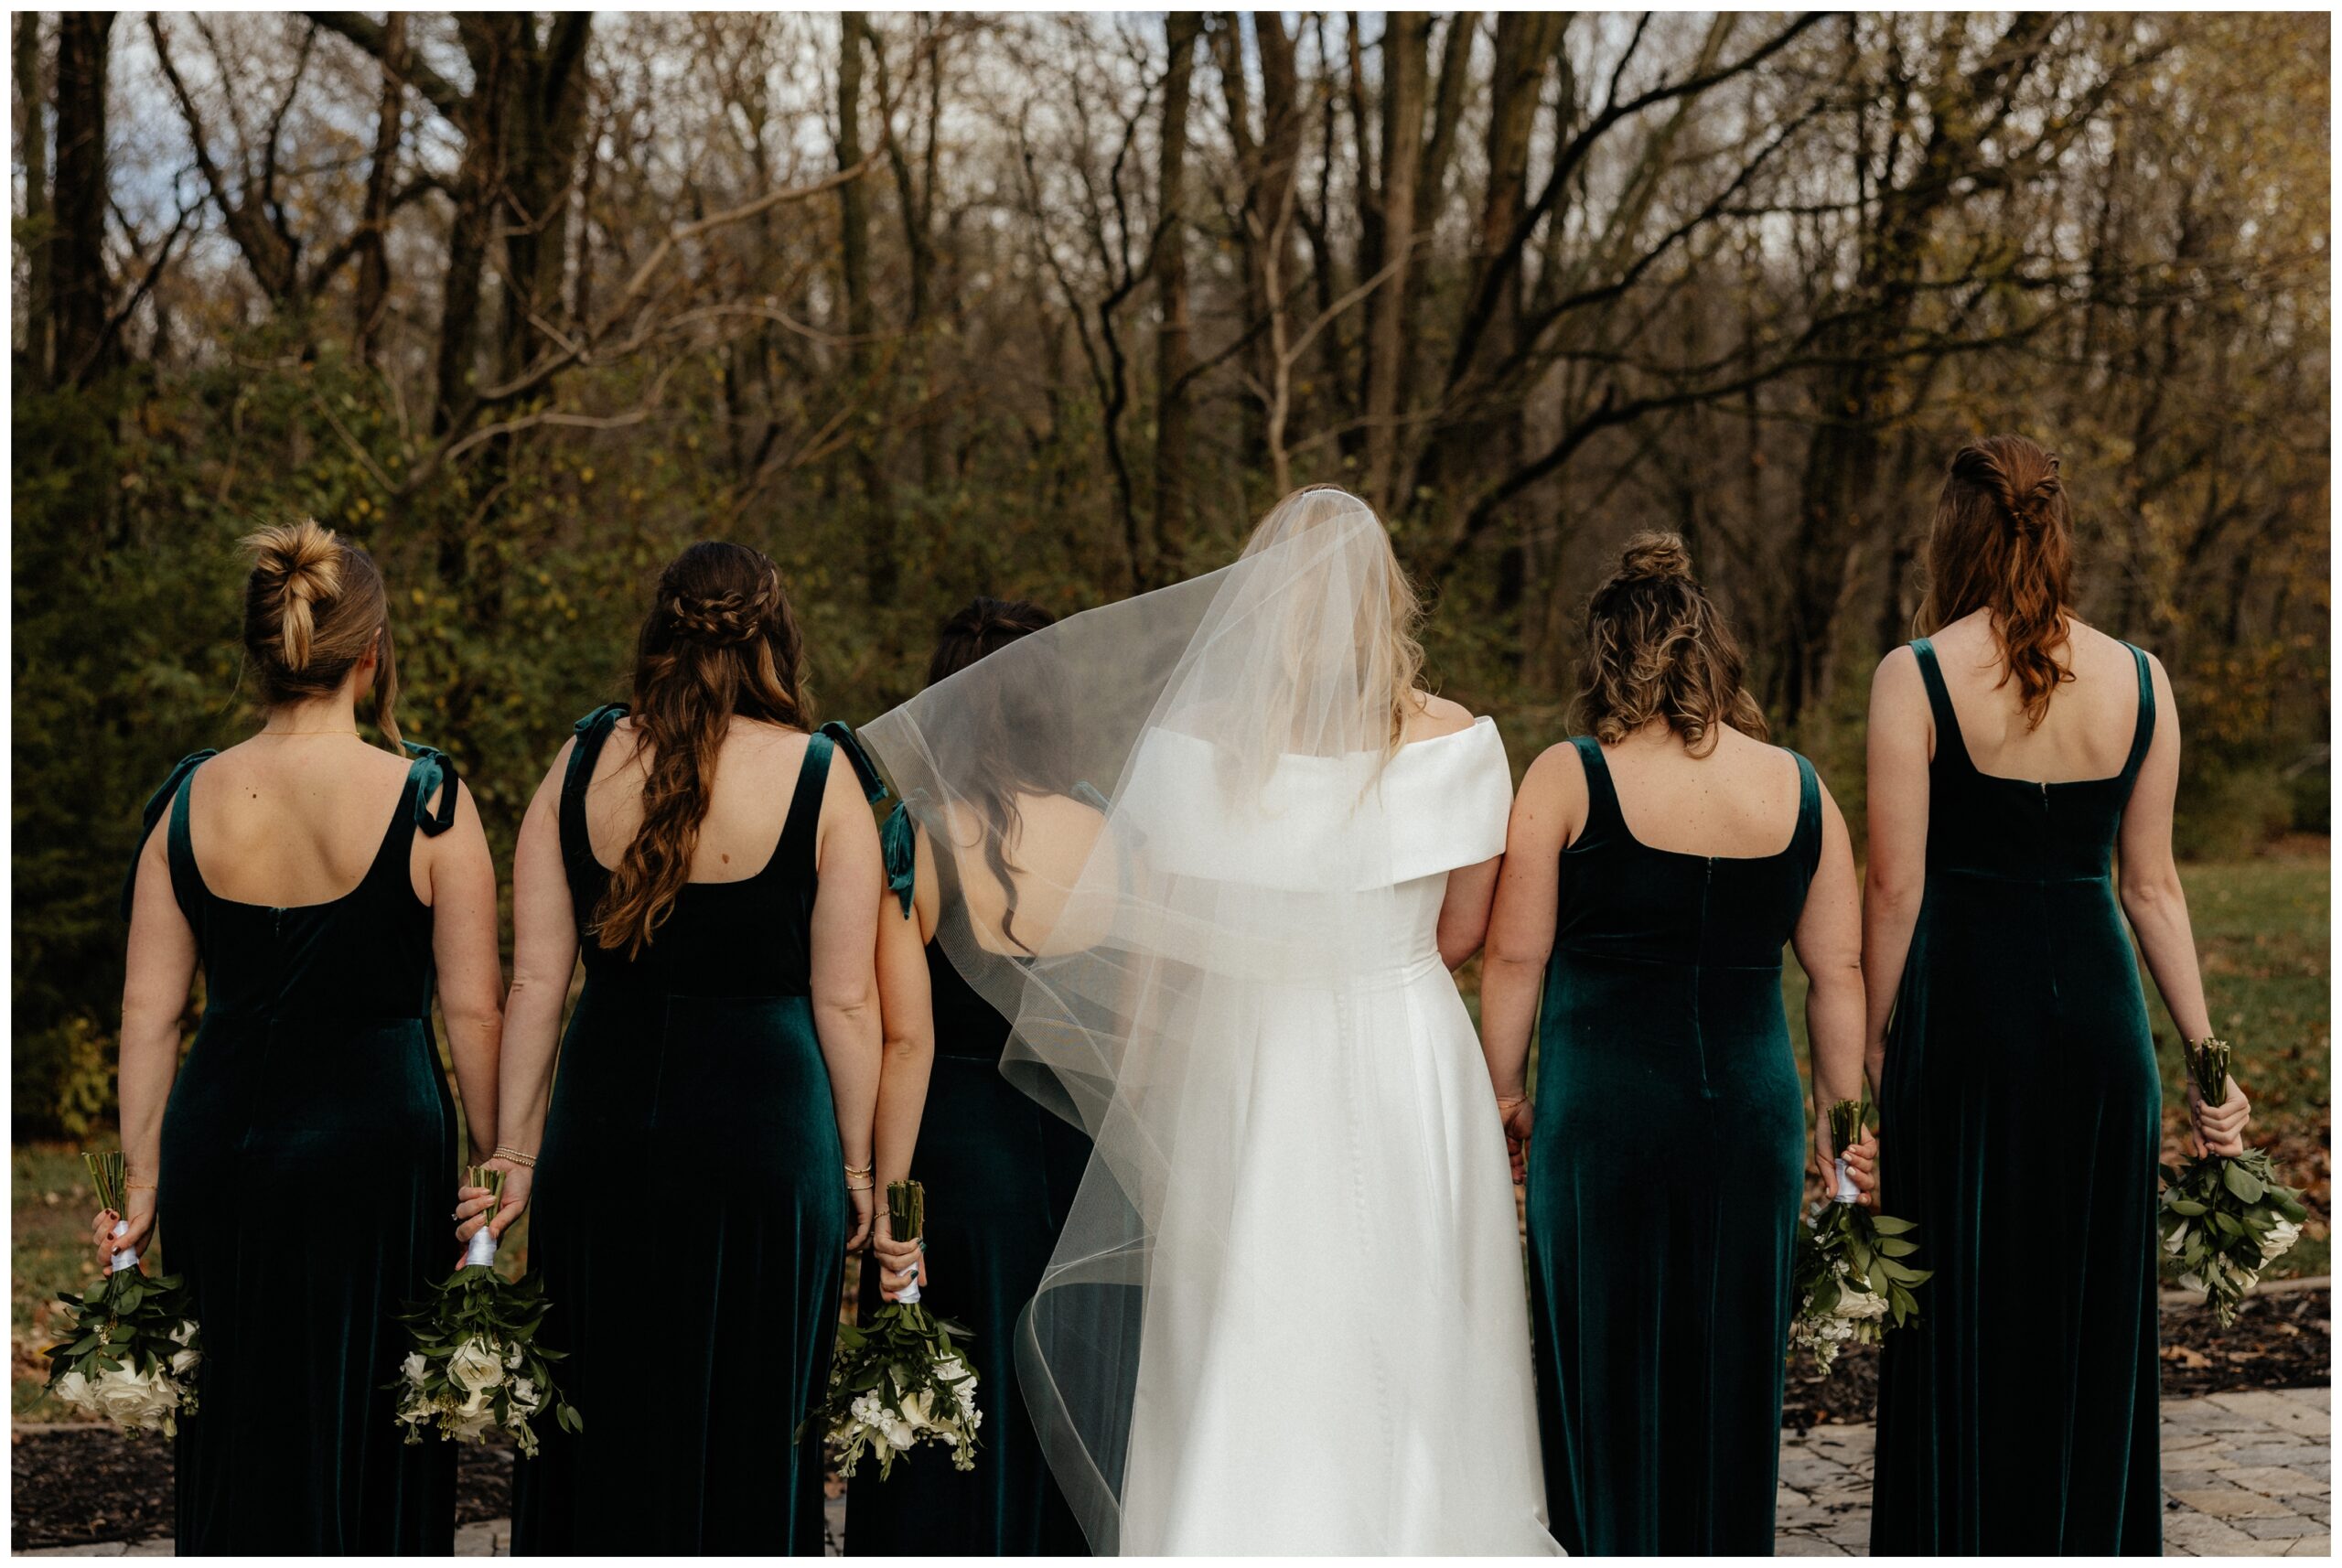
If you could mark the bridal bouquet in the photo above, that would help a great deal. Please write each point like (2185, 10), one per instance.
(476, 1362)
(1850, 1279)
(2224, 1218)
(130, 1351)
(901, 1381)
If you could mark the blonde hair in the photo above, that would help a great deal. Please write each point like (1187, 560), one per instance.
(1390, 654)
(314, 607)
(1657, 648)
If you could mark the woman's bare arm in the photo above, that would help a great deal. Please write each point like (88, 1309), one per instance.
(470, 969)
(2156, 906)
(544, 952)
(159, 973)
(1896, 877)
(906, 1015)
(844, 972)
(1546, 813)
(1464, 911)
(1829, 942)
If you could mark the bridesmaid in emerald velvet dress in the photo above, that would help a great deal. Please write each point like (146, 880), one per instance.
(1000, 1172)
(2011, 754)
(1652, 873)
(705, 1153)
(319, 882)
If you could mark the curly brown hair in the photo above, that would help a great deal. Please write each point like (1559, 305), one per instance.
(1657, 648)
(720, 643)
(2003, 543)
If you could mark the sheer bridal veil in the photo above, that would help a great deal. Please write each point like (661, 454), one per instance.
(1161, 822)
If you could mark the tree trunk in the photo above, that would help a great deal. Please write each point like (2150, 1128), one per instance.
(373, 249)
(1406, 41)
(1491, 439)
(84, 292)
(1269, 169)
(880, 574)
(1173, 354)
(32, 147)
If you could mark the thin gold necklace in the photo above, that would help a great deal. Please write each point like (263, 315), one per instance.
(289, 734)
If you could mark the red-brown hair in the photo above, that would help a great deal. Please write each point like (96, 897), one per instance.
(2003, 543)
(720, 643)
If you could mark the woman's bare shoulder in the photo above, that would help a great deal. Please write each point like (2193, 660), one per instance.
(1430, 716)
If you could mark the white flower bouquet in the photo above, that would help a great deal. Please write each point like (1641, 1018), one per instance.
(131, 1350)
(2224, 1218)
(1849, 1275)
(902, 1380)
(476, 1364)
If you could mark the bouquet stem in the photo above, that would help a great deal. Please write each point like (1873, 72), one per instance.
(108, 1173)
(906, 1217)
(1846, 1119)
(480, 1253)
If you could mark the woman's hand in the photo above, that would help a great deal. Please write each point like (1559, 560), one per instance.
(473, 1203)
(860, 1199)
(141, 1203)
(1520, 1117)
(2219, 1129)
(1862, 1164)
(1862, 1168)
(899, 1262)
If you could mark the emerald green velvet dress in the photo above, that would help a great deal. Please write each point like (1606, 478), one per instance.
(1000, 1172)
(314, 1079)
(2021, 1117)
(690, 1216)
(1665, 1172)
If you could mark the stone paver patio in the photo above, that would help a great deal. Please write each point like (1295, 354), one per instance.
(2244, 1474)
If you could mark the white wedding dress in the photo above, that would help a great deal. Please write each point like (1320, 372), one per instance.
(1287, 1312)
(1336, 1352)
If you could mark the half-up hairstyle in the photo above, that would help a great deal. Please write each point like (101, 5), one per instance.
(2003, 542)
(1033, 711)
(314, 608)
(1657, 648)
(719, 643)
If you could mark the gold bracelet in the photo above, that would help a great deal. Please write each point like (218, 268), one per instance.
(137, 1186)
(862, 1170)
(1506, 1102)
(526, 1162)
(865, 1187)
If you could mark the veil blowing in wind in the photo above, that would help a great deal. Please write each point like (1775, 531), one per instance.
(1258, 1325)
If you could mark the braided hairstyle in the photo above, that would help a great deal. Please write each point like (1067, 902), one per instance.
(1657, 648)
(314, 608)
(719, 643)
(1032, 710)
(2003, 542)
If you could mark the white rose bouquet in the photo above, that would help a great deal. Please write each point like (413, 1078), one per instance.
(476, 1363)
(2224, 1218)
(1850, 1278)
(902, 1380)
(131, 1350)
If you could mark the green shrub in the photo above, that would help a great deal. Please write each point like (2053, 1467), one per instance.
(2227, 811)
(2314, 802)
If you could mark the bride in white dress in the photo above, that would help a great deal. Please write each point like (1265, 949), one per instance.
(1287, 1314)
